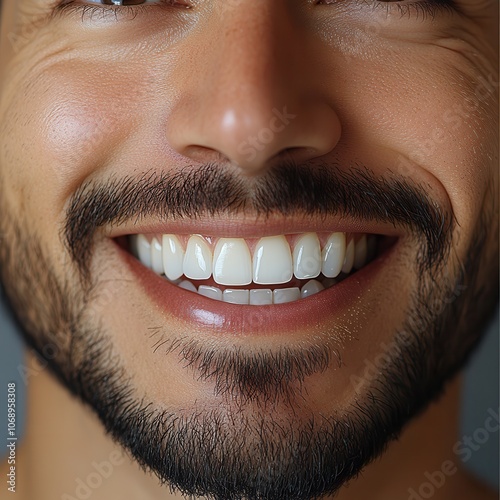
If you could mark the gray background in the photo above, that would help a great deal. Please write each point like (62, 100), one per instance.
(480, 395)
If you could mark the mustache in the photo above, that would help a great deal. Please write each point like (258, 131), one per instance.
(287, 189)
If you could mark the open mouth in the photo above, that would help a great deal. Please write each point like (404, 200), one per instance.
(256, 271)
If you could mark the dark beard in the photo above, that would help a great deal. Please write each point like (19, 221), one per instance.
(219, 455)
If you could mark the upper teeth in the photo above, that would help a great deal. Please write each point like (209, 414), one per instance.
(230, 261)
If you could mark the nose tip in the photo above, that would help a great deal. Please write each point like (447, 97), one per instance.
(253, 141)
(249, 139)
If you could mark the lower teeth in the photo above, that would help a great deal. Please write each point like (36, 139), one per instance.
(261, 296)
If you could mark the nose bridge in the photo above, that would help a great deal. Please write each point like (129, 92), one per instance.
(253, 87)
(248, 98)
(249, 69)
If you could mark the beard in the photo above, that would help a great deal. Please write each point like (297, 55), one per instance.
(228, 452)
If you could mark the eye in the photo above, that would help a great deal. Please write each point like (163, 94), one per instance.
(120, 3)
(82, 4)
(125, 9)
(404, 7)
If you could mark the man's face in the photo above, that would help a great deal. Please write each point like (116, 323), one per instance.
(337, 158)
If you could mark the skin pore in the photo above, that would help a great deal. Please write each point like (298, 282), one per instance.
(116, 120)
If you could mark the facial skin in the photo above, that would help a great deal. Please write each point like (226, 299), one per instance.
(117, 121)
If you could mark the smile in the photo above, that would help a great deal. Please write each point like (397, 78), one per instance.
(258, 271)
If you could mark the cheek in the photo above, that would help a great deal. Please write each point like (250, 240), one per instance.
(82, 121)
(62, 125)
(454, 140)
(439, 123)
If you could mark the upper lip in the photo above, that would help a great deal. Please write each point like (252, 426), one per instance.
(253, 227)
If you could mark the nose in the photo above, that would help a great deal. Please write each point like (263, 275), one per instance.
(252, 97)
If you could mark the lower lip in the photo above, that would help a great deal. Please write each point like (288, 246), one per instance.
(221, 318)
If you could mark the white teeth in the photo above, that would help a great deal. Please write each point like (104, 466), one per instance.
(284, 295)
(310, 288)
(187, 285)
(256, 297)
(156, 257)
(334, 255)
(198, 259)
(262, 297)
(272, 261)
(232, 262)
(144, 250)
(307, 257)
(349, 257)
(212, 292)
(173, 257)
(360, 253)
(236, 296)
